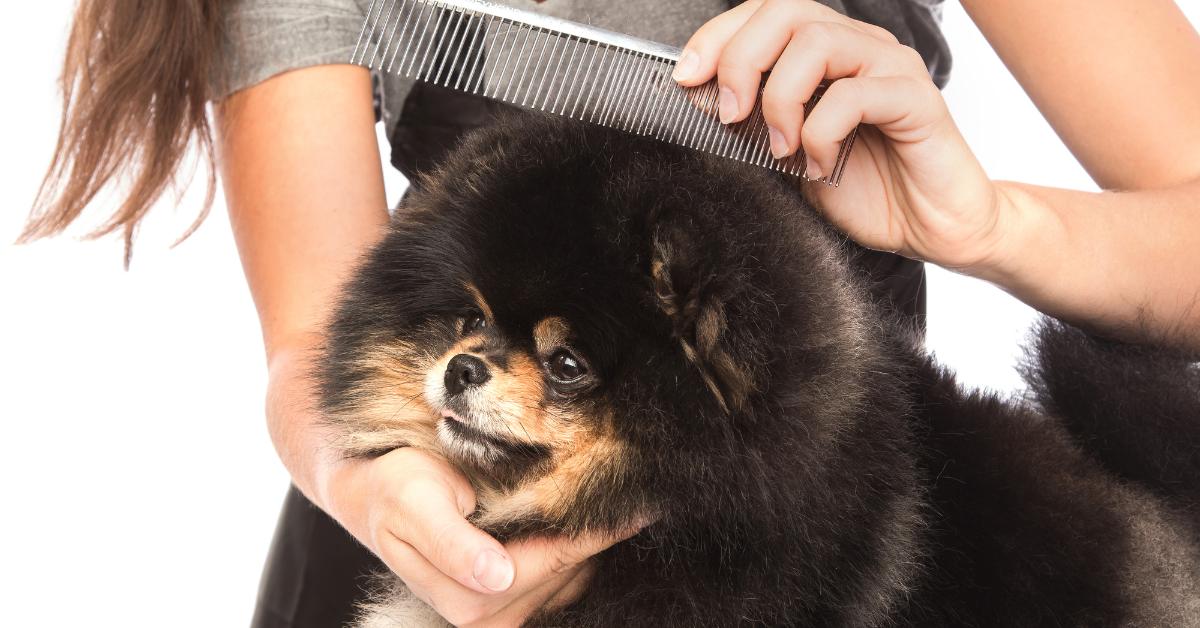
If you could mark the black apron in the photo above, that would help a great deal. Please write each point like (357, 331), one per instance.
(315, 571)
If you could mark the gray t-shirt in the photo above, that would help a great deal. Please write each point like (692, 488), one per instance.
(263, 38)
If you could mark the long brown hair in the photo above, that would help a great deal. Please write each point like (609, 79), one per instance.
(135, 85)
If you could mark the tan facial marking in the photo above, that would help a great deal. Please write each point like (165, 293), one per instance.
(515, 397)
(585, 447)
(550, 333)
(389, 409)
(480, 302)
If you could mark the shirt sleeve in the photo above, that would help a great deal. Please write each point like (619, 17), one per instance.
(262, 38)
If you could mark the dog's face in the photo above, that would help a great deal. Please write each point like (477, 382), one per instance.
(584, 321)
(511, 399)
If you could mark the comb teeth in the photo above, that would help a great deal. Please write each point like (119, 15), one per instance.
(549, 64)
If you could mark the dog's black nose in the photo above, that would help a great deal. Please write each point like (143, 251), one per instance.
(463, 372)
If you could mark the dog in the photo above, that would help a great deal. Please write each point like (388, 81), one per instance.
(597, 328)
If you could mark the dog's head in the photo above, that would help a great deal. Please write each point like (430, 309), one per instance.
(586, 321)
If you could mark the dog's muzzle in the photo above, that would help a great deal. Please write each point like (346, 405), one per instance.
(463, 372)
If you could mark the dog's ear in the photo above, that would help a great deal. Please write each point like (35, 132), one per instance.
(693, 290)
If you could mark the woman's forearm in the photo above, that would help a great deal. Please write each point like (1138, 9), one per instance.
(304, 186)
(1117, 81)
(1124, 263)
(303, 443)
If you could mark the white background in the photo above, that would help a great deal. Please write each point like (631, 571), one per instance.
(139, 485)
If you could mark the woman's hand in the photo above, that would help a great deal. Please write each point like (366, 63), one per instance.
(409, 507)
(911, 183)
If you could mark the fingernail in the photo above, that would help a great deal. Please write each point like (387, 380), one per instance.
(778, 144)
(686, 67)
(493, 571)
(811, 169)
(727, 105)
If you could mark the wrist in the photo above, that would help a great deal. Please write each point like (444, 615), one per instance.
(304, 443)
(1022, 240)
(340, 486)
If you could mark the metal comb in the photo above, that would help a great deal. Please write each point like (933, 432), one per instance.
(566, 68)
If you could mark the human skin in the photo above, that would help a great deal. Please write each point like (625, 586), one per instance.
(303, 183)
(1122, 262)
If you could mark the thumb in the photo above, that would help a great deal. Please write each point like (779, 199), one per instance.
(435, 526)
(542, 557)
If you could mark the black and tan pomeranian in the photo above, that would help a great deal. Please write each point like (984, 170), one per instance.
(596, 327)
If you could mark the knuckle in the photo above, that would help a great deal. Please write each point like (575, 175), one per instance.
(920, 84)
(732, 62)
(880, 32)
(779, 106)
(920, 88)
(411, 490)
(412, 498)
(814, 137)
(779, 8)
(794, 6)
(912, 58)
(442, 547)
(816, 35)
(841, 91)
(787, 95)
(933, 100)
(776, 5)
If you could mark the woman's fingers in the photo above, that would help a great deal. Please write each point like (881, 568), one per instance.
(698, 61)
(819, 51)
(548, 571)
(421, 532)
(541, 557)
(439, 531)
(431, 504)
(801, 43)
(708, 42)
(828, 42)
(457, 604)
(742, 43)
(903, 108)
(561, 591)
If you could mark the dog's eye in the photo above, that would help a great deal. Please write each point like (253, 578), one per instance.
(565, 367)
(473, 322)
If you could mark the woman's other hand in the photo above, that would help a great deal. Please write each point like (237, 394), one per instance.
(912, 184)
(409, 507)
(1118, 262)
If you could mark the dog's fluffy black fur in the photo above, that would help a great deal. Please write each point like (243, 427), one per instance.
(805, 463)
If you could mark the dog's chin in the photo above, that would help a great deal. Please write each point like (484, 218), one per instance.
(463, 442)
(485, 455)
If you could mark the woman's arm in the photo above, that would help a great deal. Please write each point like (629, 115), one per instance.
(304, 187)
(1123, 94)
(1119, 83)
(1126, 264)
